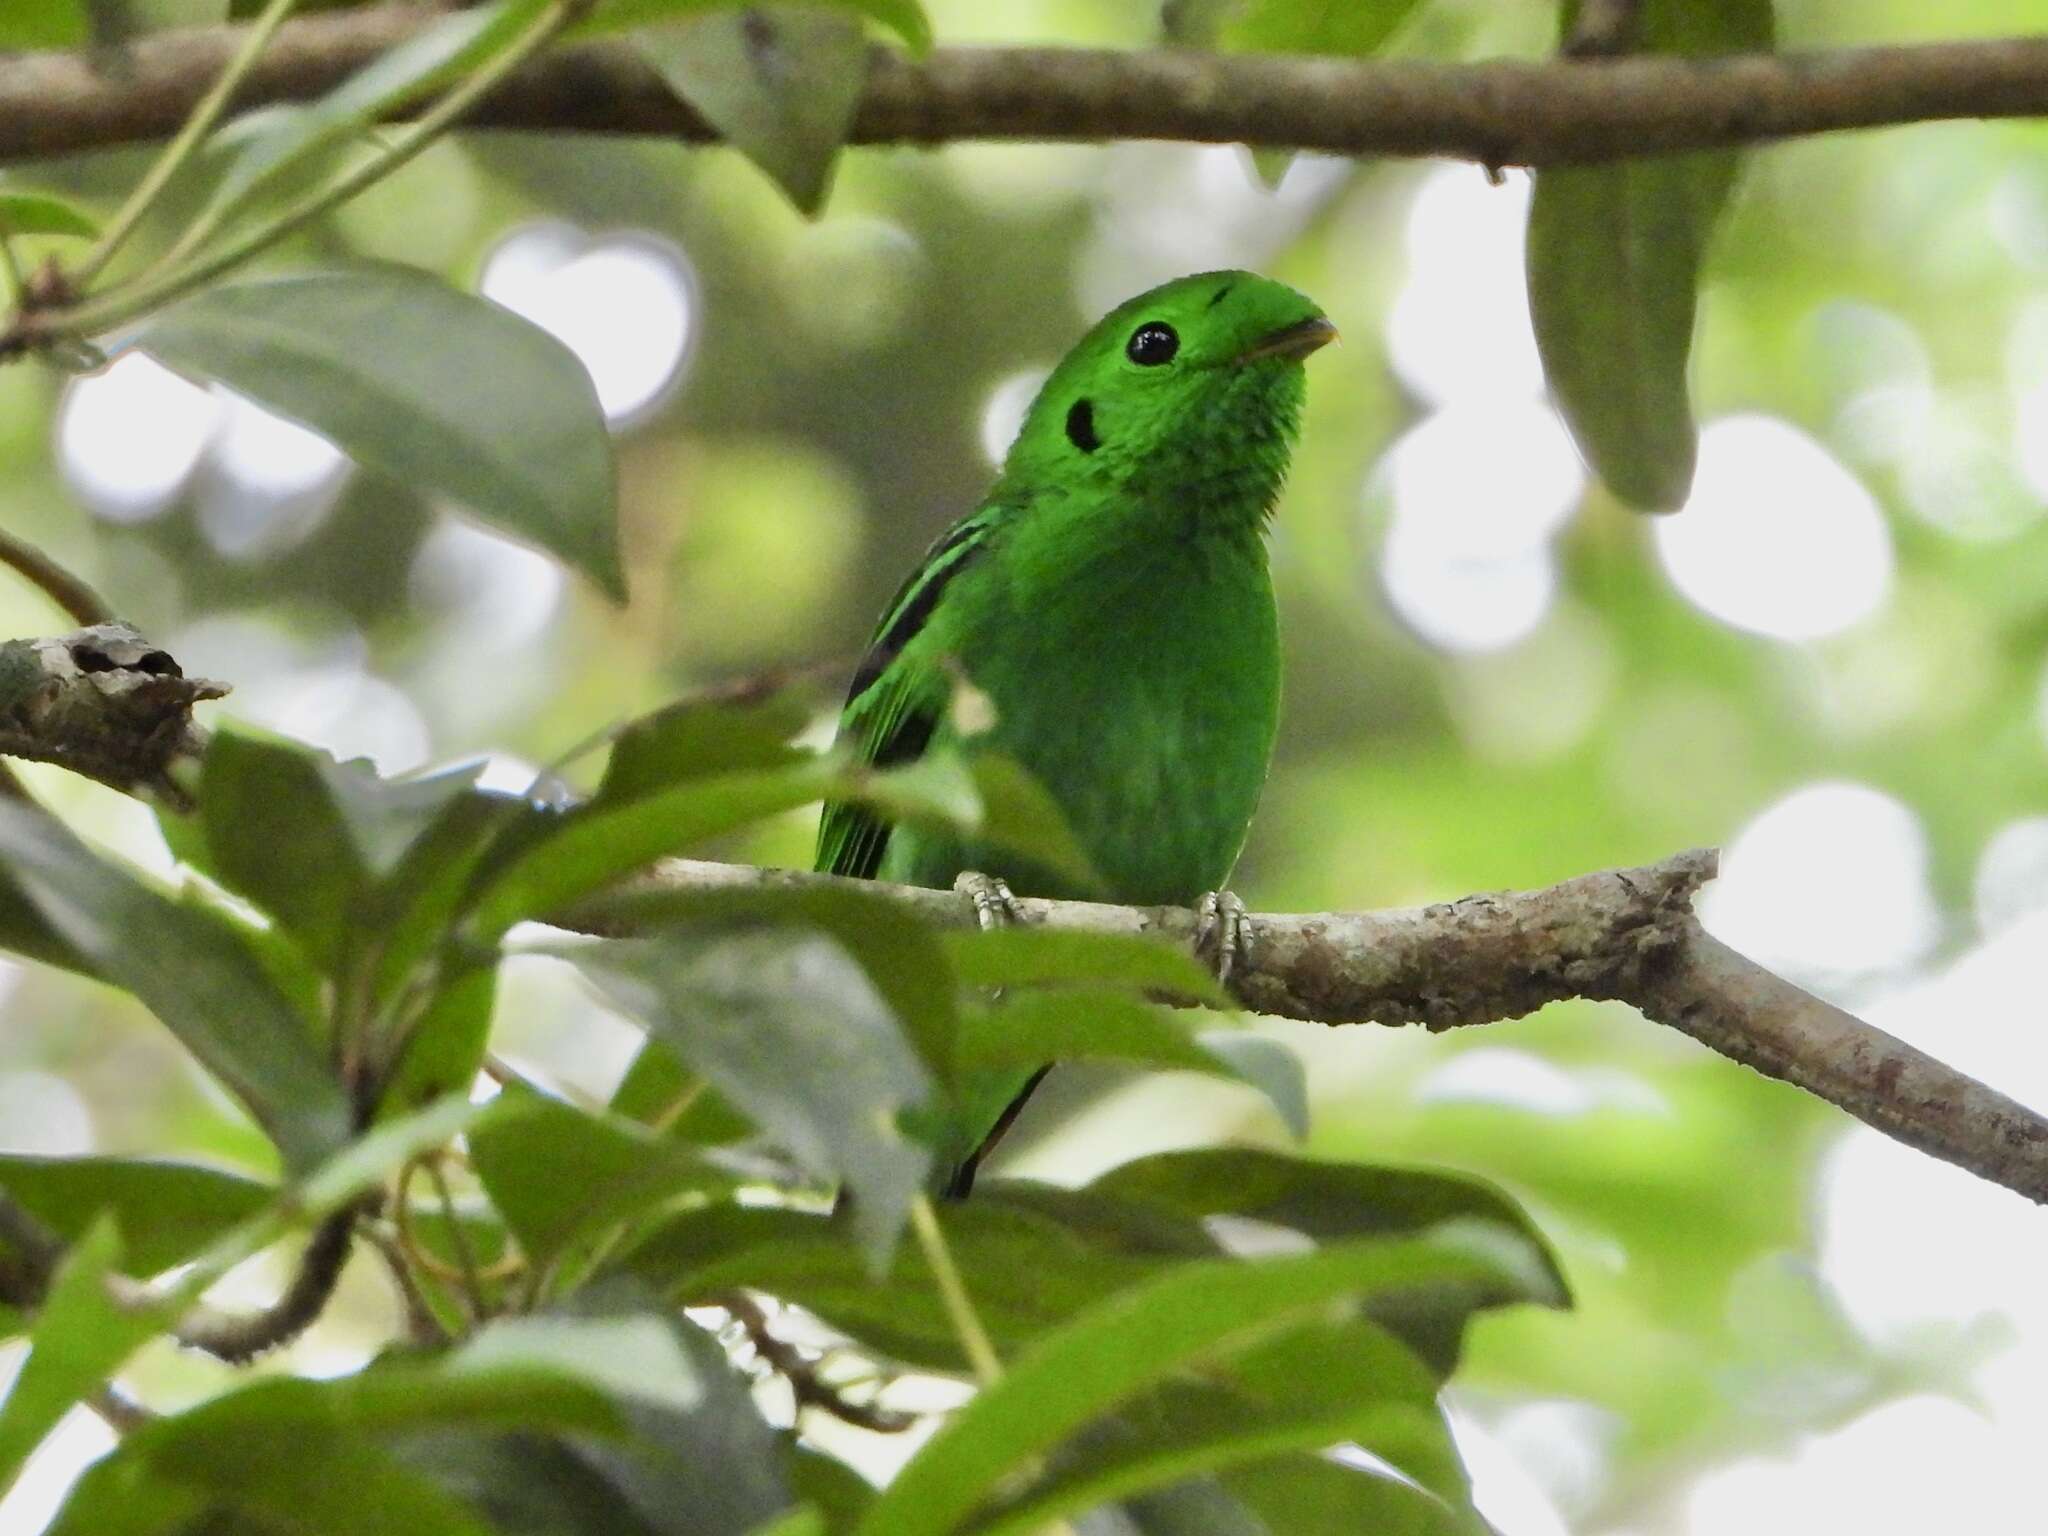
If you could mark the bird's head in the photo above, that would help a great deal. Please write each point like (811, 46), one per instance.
(1192, 389)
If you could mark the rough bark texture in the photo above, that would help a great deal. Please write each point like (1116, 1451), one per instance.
(104, 702)
(1508, 112)
(1626, 935)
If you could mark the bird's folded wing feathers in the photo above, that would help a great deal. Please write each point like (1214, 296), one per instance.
(895, 703)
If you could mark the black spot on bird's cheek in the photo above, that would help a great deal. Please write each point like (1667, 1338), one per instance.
(1081, 426)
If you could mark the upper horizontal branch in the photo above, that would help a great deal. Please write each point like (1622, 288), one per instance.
(1624, 935)
(1497, 113)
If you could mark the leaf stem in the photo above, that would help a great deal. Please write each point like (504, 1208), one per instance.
(84, 606)
(974, 1340)
(183, 146)
(126, 304)
(458, 1239)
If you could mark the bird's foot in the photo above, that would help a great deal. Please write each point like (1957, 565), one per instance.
(1220, 934)
(994, 905)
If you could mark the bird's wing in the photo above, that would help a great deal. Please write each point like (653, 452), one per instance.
(894, 705)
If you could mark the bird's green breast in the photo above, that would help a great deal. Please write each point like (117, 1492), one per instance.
(1133, 668)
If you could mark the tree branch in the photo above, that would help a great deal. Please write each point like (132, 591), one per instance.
(103, 702)
(1501, 112)
(30, 1254)
(1623, 935)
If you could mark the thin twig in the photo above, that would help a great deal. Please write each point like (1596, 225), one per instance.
(458, 1239)
(239, 1338)
(120, 1412)
(422, 1325)
(938, 1257)
(205, 113)
(70, 593)
(151, 292)
(1494, 112)
(806, 1383)
(35, 1252)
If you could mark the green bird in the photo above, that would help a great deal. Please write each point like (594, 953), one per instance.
(1110, 604)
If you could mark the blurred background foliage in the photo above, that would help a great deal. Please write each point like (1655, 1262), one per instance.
(1832, 663)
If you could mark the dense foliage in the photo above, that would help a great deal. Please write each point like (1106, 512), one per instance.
(681, 1276)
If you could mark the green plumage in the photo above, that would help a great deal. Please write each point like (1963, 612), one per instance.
(1110, 601)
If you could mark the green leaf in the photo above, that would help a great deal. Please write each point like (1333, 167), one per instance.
(1336, 1201)
(1313, 1495)
(901, 957)
(578, 854)
(1074, 1024)
(1312, 1387)
(1614, 255)
(445, 1045)
(779, 83)
(271, 1449)
(38, 213)
(448, 392)
(590, 848)
(1024, 956)
(274, 834)
(192, 969)
(43, 24)
(1027, 1272)
(1350, 28)
(560, 1176)
(905, 18)
(660, 1092)
(1020, 815)
(695, 738)
(80, 1337)
(166, 1212)
(1202, 1314)
(702, 1463)
(791, 1031)
(425, 63)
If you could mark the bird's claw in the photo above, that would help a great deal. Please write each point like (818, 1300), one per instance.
(994, 905)
(1220, 933)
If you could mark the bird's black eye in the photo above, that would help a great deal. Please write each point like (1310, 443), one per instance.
(1151, 344)
(1081, 426)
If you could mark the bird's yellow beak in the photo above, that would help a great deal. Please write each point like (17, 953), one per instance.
(1296, 340)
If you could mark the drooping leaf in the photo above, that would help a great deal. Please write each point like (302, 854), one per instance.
(790, 1030)
(192, 969)
(1202, 1314)
(901, 957)
(1614, 255)
(780, 83)
(905, 18)
(166, 1212)
(446, 391)
(39, 213)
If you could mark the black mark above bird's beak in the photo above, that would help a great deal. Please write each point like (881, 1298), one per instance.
(1296, 340)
